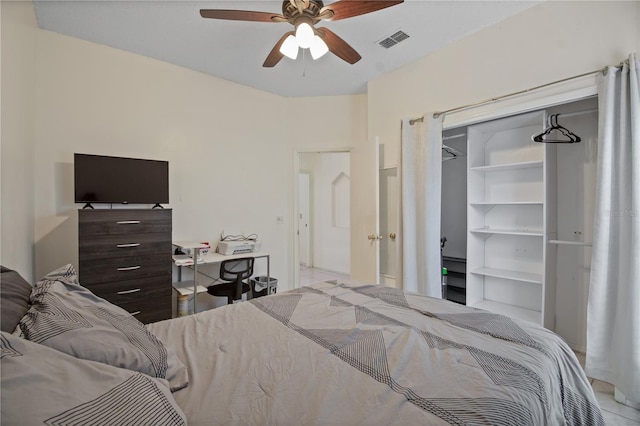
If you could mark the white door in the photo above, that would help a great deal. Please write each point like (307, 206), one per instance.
(364, 213)
(388, 213)
(304, 231)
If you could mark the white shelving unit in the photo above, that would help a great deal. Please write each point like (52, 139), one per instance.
(511, 218)
(509, 166)
(493, 231)
(509, 310)
(510, 275)
(570, 243)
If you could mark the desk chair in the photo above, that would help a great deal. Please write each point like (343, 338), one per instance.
(233, 271)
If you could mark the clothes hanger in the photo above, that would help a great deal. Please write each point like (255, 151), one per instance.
(452, 153)
(553, 126)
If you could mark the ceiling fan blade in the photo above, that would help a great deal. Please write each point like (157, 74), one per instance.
(338, 46)
(275, 55)
(348, 8)
(242, 15)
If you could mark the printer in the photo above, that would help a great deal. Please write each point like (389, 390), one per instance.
(238, 247)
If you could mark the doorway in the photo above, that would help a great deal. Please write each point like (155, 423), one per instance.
(323, 216)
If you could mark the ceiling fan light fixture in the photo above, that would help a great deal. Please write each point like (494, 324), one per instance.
(304, 35)
(318, 47)
(304, 15)
(289, 47)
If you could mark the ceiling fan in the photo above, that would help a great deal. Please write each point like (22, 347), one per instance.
(303, 15)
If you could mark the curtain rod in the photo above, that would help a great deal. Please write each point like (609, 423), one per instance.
(562, 114)
(460, 108)
(572, 114)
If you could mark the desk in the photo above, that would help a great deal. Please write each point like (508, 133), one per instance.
(195, 247)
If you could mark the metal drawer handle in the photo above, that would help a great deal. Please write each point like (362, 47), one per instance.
(129, 268)
(128, 245)
(135, 290)
(128, 222)
(135, 313)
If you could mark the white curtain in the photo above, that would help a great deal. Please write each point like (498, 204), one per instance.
(420, 175)
(613, 318)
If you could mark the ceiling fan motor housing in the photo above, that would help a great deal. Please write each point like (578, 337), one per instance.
(291, 9)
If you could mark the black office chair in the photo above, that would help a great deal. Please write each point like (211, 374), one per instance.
(233, 271)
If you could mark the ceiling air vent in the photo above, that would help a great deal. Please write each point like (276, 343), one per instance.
(393, 39)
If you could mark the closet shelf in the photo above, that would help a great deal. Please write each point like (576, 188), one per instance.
(508, 166)
(507, 232)
(570, 243)
(526, 277)
(506, 203)
(510, 310)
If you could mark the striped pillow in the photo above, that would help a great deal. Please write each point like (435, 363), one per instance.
(44, 386)
(68, 317)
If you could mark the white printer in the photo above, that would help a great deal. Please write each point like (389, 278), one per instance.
(238, 247)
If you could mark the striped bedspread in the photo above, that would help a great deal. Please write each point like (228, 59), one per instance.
(343, 354)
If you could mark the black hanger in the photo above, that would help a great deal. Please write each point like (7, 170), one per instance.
(555, 127)
(450, 151)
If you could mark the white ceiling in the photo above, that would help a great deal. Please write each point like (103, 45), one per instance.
(173, 31)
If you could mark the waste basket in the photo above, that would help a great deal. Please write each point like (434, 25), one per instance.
(183, 305)
(263, 285)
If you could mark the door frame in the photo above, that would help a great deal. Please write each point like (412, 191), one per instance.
(296, 210)
(309, 218)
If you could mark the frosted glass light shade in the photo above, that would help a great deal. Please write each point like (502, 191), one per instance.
(318, 47)
(289, 47)
(304, 35)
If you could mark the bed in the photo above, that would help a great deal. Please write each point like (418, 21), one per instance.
(330, 354)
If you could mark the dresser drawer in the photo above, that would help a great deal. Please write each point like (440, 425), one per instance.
(119, 245)
(125, 221)
(133, 290)
(96, 271)
(149, 310)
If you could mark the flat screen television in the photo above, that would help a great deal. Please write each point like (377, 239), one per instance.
(104, 179)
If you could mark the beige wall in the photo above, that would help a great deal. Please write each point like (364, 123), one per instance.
(18, 36)
(99, 100)
(230, 147)
(548, 42)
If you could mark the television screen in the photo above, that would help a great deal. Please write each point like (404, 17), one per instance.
(103, 179)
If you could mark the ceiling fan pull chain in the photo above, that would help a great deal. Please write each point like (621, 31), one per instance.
(304, 63)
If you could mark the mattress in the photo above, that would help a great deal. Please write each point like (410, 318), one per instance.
(330, 354)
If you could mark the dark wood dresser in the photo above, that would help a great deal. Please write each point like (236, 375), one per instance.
(125, 258)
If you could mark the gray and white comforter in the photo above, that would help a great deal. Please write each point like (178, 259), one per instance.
(348, 354)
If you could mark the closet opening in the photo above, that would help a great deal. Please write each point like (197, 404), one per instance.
(453, 236)
(518, 214)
